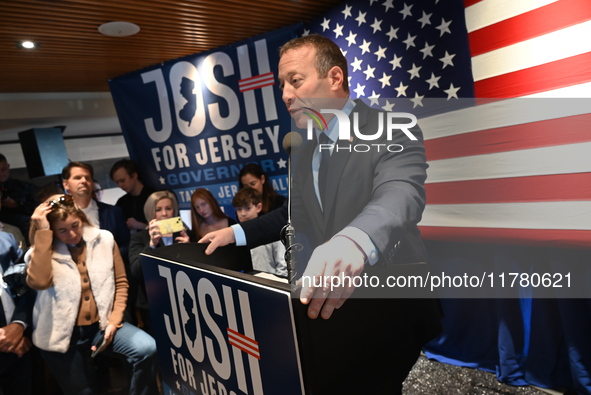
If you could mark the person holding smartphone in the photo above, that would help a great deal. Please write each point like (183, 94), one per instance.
(81, 286)
(159, 206)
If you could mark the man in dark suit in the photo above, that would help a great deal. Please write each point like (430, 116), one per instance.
(15, 317)
(360, 211)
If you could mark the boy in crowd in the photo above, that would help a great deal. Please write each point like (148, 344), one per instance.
(270, 257)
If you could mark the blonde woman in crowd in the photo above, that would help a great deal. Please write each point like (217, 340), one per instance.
(159, 205)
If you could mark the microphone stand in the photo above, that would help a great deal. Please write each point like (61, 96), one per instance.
(289, 240)
(291, 140)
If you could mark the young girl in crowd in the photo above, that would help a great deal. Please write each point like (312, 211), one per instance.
(252, 175)
(82, 293)
(159, 205)
(206, 214)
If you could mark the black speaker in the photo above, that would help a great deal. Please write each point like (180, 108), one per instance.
(44, 151)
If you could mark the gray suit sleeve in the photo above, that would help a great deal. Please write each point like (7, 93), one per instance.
(390, 218)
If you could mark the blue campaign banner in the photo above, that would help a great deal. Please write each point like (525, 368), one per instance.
(217, 334)
(194, 122)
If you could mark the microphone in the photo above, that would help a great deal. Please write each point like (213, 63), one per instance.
(290, 141)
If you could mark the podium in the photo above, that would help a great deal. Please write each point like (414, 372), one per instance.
(222, 331)
(218, 328)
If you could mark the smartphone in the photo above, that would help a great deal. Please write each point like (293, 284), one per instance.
(171, 225)
(100, 342)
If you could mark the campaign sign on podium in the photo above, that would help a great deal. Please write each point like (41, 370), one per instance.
(220, 332)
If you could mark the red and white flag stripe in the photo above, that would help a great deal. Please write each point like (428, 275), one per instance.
(256, 82)
(517, 169)
(244, 343)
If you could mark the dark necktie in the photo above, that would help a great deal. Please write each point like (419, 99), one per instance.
(323, 169)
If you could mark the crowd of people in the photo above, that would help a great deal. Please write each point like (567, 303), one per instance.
(71, 265)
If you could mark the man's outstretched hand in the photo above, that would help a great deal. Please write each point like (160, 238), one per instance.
(216, 239)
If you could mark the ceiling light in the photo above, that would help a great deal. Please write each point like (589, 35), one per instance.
(119, 29)
(28, 44)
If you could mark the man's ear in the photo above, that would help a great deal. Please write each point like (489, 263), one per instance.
(65, 185)
(259, 207)
(336, 78)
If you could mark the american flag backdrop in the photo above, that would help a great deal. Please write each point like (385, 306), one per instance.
(510, 156)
